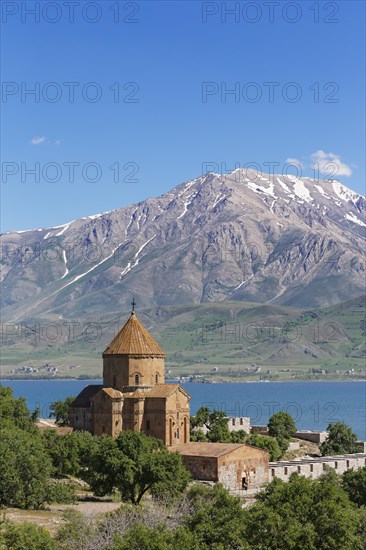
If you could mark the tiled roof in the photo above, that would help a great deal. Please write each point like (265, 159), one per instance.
(164, 390)
(84, 397)
(134, 339)
(135, 394)
(207, 449)
(112, 392)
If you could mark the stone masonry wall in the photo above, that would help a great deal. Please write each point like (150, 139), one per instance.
(246, 466)
(81, 419)
(314, 437)
(202, 468)
(239, 423)
(315, 467)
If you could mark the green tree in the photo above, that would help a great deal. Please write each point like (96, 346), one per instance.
(268, 529)
(15, 411)
(201, 418)
(198, 435)
(239, 436)
(215, 422)
(217, 521)
(25, 536)
(134, 463)
(60, 411)
(303, 513)
(24, 469)
(354, 483)
(341, 440)
(67, 452)
(361, 532)
(61, 492)
(63, 453)
(267, 443)
(281, 425)
(218, 428)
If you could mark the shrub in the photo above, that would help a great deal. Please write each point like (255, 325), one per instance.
(25, 536)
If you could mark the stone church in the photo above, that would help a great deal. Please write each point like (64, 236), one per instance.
(134, 395)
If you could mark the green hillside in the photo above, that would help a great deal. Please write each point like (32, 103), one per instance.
(219, 341)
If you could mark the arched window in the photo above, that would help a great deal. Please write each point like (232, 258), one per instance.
(185, 430)
(137, 379)
(170, 431)
(156, 378)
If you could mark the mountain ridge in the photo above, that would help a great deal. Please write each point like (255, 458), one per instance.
(243, 236)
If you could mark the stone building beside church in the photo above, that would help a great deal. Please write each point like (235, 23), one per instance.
(134, 395)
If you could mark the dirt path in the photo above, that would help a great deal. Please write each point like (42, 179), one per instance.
(51, 518)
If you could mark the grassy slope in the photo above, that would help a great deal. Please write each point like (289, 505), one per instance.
(231, 336)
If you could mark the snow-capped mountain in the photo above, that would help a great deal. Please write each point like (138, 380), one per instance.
(241, 236)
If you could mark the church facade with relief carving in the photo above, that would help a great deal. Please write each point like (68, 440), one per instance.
(134, 395)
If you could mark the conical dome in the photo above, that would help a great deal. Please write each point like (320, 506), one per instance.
(134, 339)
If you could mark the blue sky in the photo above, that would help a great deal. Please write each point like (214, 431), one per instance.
(172, 63)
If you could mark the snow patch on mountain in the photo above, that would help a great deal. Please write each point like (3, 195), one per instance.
(64, 228)
(272, 205)
(136, 258)
(344, 192)
(321, 191)
(95, 216)
(243, 283)
(300, 190)
(65, 261)
(218, 198)
(186, 204)
(260, 189)
(284, 186)
(138, 220)
(352, 218)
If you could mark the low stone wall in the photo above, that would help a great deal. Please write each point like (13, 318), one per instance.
(262, 430)
(314, 437)
(315, 467)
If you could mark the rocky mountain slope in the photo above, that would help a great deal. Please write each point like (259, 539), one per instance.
(243, 236)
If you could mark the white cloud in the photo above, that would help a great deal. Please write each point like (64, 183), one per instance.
(37, 140)
(329, 163)
(294, 161)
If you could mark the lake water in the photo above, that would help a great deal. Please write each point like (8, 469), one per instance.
(312, 404)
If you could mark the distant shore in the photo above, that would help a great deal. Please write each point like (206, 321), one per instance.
(69, 379)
